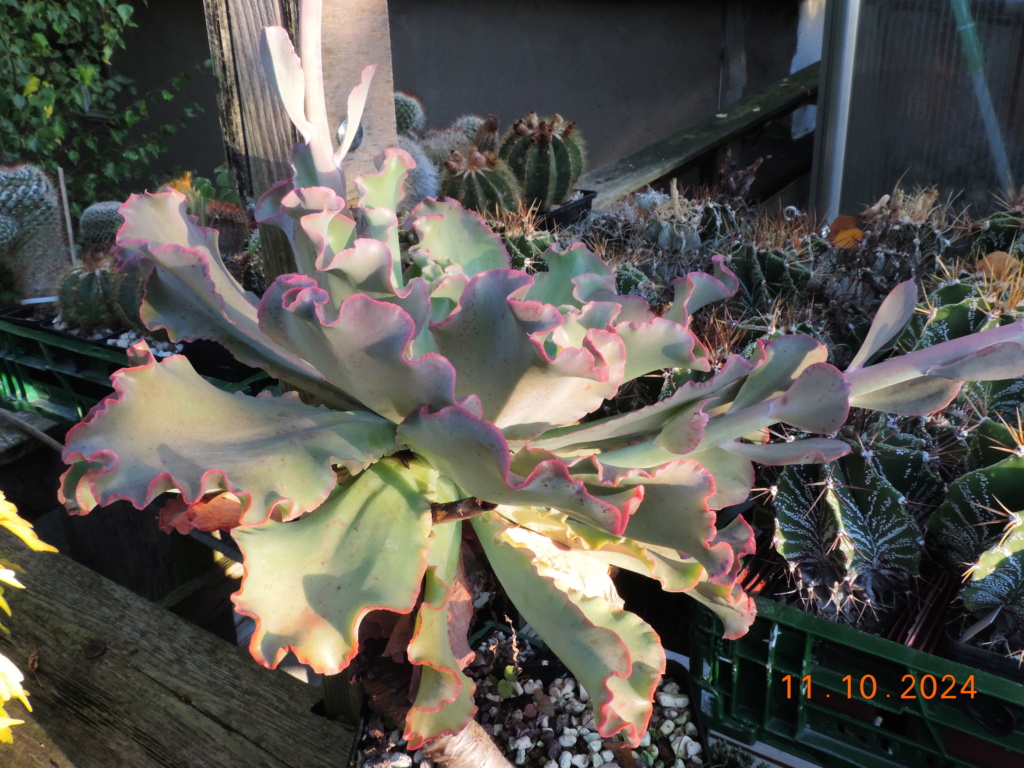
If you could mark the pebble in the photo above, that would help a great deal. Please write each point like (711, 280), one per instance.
(401, 760)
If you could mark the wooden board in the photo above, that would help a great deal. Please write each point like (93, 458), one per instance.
(122, 683)
(685, 147)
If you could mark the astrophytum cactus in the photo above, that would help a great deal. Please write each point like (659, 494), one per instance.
(454, 399)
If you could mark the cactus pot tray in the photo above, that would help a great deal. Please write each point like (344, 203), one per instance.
(569, 213)
(842, 698)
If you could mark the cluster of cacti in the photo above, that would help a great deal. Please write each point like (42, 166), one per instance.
(98, 297)
(33, 246)
(544, 157)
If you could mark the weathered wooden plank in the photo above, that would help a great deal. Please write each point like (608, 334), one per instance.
(122, 683)
(357, 33)
(633, 172)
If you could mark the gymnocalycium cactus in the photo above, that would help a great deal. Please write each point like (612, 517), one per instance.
(100, 297)
(546, 156)
(453, 397)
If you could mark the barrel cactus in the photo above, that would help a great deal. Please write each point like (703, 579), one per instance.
(100, 297)
(480, 182)
(546, 157)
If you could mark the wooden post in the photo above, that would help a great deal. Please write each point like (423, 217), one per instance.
(258, 135)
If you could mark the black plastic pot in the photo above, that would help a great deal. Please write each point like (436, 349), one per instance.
(569, 213)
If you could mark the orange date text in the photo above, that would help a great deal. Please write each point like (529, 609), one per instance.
(866, 687)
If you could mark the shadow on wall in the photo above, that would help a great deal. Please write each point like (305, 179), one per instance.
(627, 73)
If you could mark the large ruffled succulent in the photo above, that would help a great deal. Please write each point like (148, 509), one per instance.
(450, 399)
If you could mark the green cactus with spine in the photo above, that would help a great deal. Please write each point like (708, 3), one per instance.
(480, 181)
(526, 249)
(91, 298)
(38, 253)
(847, 528)
(410, 117)
(1002, 231)
(98, 224)
(546, 157)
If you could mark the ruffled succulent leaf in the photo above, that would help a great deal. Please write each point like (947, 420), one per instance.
(190, 293)
(890, 319)
(274, 453)
(734, 607)
(284, 71)
(698, 289)
(925, 394)
(673, 571)
(573, 605)
(362, 350)
(558, 285)
(474, 454)
(444, 698)
(450, 236)
(354, 112)
(785, 359)
(378, 201)
(808, 450)
(492, 339)
(309, 582)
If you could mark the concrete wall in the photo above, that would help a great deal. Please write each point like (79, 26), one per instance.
(627, 73)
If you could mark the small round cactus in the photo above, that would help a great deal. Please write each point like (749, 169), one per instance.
(468, 125)
(99, 223)
(410, 118)
(480, 181)
(546, 156)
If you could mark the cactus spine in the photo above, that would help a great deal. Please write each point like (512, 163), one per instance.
(546, 157)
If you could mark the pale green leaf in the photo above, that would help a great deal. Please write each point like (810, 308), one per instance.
(309, 582)
(273, 452)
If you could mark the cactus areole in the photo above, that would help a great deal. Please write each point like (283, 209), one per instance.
(450, 381)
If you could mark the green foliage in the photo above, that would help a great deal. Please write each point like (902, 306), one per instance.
(65, 105)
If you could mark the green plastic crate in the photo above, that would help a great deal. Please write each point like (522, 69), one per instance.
(754, 689)
(61, 378)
